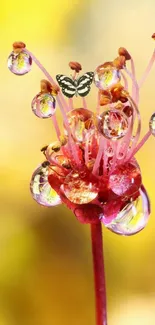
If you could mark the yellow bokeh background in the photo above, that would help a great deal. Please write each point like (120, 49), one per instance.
(45, 254)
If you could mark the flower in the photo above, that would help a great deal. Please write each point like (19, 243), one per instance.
(92, 168)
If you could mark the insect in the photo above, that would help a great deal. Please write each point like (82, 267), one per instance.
(71, 87)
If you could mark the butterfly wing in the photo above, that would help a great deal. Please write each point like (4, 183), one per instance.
(67, 85)
(84, 82)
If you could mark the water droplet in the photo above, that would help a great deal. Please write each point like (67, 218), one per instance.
(106, 77)
(125, 179)
(19, 63)
(109, 151)
(152, 124)
(80, 121)
(133, 217)
(41, 190)
(43, 105)
(79, 191)
(113, 124)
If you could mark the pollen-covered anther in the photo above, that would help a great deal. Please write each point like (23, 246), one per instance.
(105, 97)
(123, 52)
(75, 66)
(18, 46)
(153, 36)
(45, 86)
(117, 92)
(63, 140)
(119, 62)
(55, 90)
(108, 64)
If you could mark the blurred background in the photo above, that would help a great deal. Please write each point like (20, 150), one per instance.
(45, 254)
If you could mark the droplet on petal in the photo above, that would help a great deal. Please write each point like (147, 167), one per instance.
(113, 124)
(40, 188)
(152, 124)
(43, 105)
(80, 121)
(125, 179)
(79, 190)
(109, 151)
(133, 217)
(19, 63)
(106, 77)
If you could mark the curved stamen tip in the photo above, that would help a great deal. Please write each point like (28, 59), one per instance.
(18, 45)
(75, 66)
(153, 36)
(123, 52)
(45, 86)
(120, 62)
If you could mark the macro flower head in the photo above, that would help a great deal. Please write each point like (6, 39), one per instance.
(92, 168)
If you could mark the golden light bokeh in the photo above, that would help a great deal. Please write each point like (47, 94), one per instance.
(45, 254)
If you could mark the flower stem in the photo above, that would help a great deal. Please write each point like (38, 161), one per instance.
(99, 274)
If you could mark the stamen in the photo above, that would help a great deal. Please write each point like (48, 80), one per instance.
(147, 71)
(141, 143)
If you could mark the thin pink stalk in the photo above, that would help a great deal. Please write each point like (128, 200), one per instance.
(137, 134)
(70, 102)
(135, 88)
(98, 103)
(141, 143)
(125, 80)
(99, 274)
(84, 103)
(99, 155)
(57, 129)
(146, 73)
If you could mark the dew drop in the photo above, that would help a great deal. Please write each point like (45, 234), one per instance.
(19, 63)
(152, 124)
(113, 124)
(125, 179)
(43, 105)
(133, 217)
(40, 188)
(80, 121)
(79, 190)
(106, 77)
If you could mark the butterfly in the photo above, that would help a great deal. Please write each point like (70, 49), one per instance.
(71, 87)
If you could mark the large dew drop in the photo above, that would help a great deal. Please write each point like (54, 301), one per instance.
(80, 121)
(43, 105)
(152, 124)
(133, 217)
(106, 77)
(19, 63)
(79, 190)
(113, 124)
(41, 190)
(125, 179)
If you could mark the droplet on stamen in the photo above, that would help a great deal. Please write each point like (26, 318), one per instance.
(40, 188)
